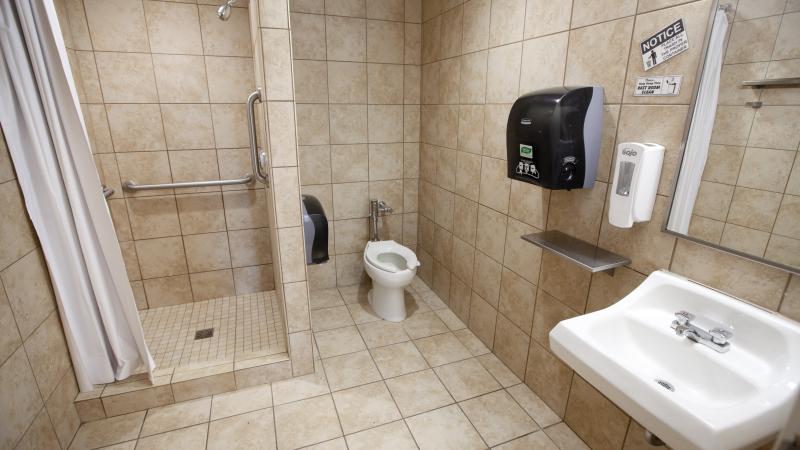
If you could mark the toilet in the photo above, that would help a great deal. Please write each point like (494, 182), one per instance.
(392, 267)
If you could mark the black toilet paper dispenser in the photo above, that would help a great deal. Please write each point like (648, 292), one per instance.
(553, 137)
(315, 230)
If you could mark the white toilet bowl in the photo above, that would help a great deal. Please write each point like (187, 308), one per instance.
(392, 267)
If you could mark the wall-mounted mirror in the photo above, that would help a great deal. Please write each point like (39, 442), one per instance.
(738, 188)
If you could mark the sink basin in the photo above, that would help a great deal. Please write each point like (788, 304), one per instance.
(687, 394)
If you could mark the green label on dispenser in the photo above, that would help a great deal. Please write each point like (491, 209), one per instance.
(526, 151)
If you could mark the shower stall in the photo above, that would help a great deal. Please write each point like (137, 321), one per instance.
(179, 135)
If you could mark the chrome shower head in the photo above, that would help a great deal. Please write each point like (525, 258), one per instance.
(224, 10)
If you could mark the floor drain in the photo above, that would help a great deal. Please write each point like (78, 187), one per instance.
(204, 333)
(666, 385)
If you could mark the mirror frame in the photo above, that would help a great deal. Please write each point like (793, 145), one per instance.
(687, 125)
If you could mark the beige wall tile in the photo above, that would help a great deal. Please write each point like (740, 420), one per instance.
(597, 55)
(476, 25)
(230, 125)
(187, 126)
(200, 213)
(311, 81)
(752, 40)
(253, 279)
(511, 345)
(228, 38)
(173, 28)
(308, 33)
(221, 72)
(292, 254)
(117, 25)
(546, 17)
(754, 209)
(384, 42)
(180, 78)
(348, 124)
(313, 124)
(507, 23)
(277, 64)
(245, 209)
(534, 75)
(502, 79)
(346, 39)
(153, 217)
(772, 130)
(350, 200)
(746, 279)
(161, 257)
(549, 378)
(136, 127)
(205, 252)
(788, 217)
(215, 284)
(126, 77)
(585, 398)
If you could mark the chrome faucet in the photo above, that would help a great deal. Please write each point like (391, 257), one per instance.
(376, 208)
(714, 337)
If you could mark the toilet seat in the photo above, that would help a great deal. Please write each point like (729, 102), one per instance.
(390, 256)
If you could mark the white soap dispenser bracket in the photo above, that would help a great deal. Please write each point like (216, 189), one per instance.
(637, 171)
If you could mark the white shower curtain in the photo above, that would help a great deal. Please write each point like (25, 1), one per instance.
(47, 139)
(705, 110)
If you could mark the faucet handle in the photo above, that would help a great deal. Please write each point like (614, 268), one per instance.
(720, 336)
(683, 317)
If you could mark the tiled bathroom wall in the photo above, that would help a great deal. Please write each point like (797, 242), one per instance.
(37, 385)
(478, 57)
(749, 199)
(357, 80)
(163, 86)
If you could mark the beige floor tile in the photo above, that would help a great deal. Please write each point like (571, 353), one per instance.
(498, 370)
(392, 436)
(418, 285)
(330, 318)
(444, 429)
(497, 417)
(365, 407)
(300, 388)
(356, 293)
(178, 415)
(254, 430)
(432, 300)
(339, 342)
(466, 379)
(533, 405)
(108, 431)
(423, 325)
(130, 445)
(190, 438)
(398, 359)
(333, 444)
(533, 441)
(362, 313)
(381, 333)
(469, 340)
(241, 401)
(450, 319)
(418, 392)
(565, 438)
(325, 298)
(442, 349)
(351, 370)
(306, 422)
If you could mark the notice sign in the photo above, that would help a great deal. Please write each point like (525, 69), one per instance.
(666, 85)
(665, 44)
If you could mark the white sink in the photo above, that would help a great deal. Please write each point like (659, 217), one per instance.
(732, 400)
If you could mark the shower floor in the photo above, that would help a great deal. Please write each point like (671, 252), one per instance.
(242, 327)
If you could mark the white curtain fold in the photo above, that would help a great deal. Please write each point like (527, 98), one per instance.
(702, 125)
(50, 150)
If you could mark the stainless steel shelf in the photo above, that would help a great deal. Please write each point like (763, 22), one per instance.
(582, 253)
(773, 82)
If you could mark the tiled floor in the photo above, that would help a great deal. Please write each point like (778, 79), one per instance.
(425, 383)
(245, 327)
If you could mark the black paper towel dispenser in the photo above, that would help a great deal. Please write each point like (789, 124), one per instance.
(315, 229)
(553, 137)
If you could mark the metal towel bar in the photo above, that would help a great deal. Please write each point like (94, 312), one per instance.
(133, 186)
(257, 157)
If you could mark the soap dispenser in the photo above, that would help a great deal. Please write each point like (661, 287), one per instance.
(636, 174)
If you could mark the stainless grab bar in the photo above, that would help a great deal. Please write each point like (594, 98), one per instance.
(134, 186)
(107, 191)
(255, 159)
(255, 152)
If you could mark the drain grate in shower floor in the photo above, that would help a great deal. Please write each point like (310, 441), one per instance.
(204, 333)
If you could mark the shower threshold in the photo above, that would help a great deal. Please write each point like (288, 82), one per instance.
(200, 349)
